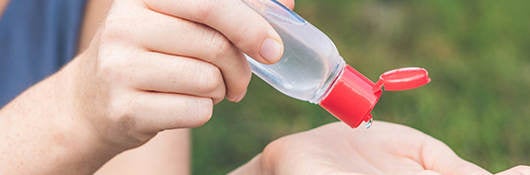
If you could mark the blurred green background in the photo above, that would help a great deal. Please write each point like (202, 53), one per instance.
(478, 55)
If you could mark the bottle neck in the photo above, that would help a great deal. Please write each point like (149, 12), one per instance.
(326, 87)
(351, 98)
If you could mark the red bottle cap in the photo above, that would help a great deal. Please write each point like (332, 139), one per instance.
(403, 79)
(353, 96)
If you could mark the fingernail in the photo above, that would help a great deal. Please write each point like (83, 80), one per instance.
(232, 99)
(271, 50)
(237, 99)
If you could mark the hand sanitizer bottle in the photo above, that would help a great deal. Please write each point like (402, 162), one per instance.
(311, 69)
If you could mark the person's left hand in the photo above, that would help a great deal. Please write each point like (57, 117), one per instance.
(338, 149)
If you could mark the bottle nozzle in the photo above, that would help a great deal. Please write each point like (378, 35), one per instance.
(353, 96)
(369, 123)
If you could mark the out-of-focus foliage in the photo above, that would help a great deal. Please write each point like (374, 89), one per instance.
(478, 55)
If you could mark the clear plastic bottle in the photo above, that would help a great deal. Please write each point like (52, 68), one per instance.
(312, 69)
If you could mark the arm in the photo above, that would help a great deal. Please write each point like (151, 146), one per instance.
(167, 153)
(37, 139)
(40, 133)
(154, 65)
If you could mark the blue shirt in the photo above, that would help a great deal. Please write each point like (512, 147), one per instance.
(37, 37)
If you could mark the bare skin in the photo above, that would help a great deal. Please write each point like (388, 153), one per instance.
(360, 151)
(167, 153)
(385, 148)
(100, 104)
(67, 145)
(3, 4)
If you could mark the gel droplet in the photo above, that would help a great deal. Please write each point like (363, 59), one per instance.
(369, 123)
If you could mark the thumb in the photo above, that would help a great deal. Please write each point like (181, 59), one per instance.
(439, 157)
(252, 167)
(518, 170)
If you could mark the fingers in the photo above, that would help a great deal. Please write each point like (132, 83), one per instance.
(257, 166)
(197, 41)
(181, 75)
(245, 28)
(174, 36)
(464, 167)
(438, 157)
(150, 71)
(518, 170)
(166, 111)
(432, 154)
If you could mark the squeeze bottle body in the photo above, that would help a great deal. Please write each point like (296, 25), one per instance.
(311, 68)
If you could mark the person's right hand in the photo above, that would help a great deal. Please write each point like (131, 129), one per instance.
(154, 65)
(163, 64)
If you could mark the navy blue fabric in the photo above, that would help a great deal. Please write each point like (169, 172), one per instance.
(37, 37)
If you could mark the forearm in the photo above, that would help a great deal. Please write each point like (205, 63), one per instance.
(40, 135)
(167, 153)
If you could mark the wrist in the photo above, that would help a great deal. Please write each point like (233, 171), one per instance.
(42, 131)
(90, 142)
(81, 103)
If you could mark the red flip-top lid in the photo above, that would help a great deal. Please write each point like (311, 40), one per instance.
(403, 79)
(353, 96)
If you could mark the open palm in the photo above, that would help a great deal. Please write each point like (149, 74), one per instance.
(337, 149)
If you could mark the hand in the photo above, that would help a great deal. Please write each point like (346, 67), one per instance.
(163, 64)
(518, 170)
(154, 65)
(338, 149)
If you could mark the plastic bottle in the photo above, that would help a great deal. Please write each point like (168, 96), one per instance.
(312, 69)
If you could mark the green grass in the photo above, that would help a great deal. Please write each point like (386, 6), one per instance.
(478, 55)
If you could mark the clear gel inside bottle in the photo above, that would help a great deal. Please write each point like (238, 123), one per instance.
(311, 69)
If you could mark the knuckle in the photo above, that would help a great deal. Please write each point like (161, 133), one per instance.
(203, 111)
(242, 82)
(114, 64)
(218, 44)
(210, 79)
(251, 44)
(237, 84)
(115, 30)
(240, 39)
(111, 70)
(204, 10)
